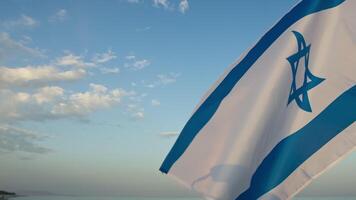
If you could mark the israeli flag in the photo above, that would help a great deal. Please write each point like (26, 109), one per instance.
(281, 115)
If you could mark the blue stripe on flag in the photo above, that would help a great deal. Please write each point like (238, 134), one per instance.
(292, 151)
(211, 104)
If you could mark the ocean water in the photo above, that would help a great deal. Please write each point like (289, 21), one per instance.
(141, 198)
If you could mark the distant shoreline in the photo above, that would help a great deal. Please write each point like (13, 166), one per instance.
(4, 195)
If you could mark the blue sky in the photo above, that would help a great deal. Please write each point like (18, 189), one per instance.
(94, 92)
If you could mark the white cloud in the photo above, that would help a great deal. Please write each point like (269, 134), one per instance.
(147, 28)
(25, 76)
(140, 64)
(138, 115)
(130, 57)
(60, 16)
(138, 97)
(104, 57)
(169, 134)
(98, 88)
(81, 104)
(137, 64)
(133, 1)
(155, 102)
(163, 79)
(25, 40)
(73, 60)
(152, 85)
(13, 139)
(161, 3)
(11, 48)
(50, 103)
(183, 6)
(134, 108)
(47, 94)
(22, 21)
(106, 70)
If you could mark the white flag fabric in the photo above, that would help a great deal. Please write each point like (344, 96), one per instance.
(281, 115)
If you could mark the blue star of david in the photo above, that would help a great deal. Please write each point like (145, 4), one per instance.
(300, 95)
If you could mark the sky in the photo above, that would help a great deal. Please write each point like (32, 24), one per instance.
(94, 93)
